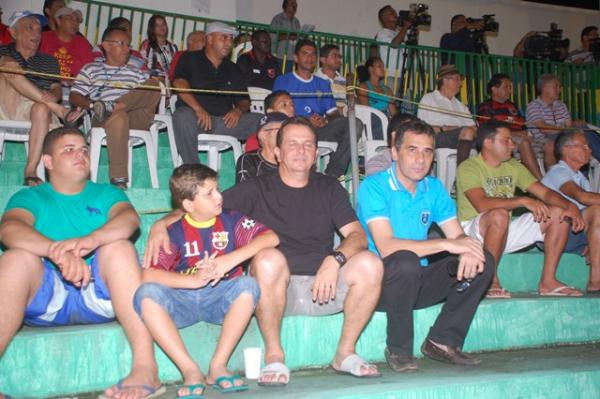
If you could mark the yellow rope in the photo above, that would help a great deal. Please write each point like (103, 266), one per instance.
(349, 90)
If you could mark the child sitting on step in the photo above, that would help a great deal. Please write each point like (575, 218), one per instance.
(201, 279)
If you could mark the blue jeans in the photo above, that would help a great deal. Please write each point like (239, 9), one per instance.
(190, 306)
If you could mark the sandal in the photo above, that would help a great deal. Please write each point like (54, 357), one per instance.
(72, 119)
(119, 182)
(32, 181)
(231, 379)
(353, 365)
(276, 369)
(498, 293)
(195, 391)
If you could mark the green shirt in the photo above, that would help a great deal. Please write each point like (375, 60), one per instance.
(499, 182)
(60, 217)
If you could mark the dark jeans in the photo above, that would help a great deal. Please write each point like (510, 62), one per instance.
(337, 131)
(185, 124)
(407, 286)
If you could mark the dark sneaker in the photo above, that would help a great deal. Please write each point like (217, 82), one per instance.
(100, 112)
(446, 354)
(120, 182)
(400, 363)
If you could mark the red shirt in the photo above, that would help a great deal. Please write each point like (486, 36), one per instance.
(71, 56)
(5, 37)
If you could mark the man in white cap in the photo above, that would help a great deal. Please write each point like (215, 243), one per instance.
(30, 97)
(71, 50)
(201, 112)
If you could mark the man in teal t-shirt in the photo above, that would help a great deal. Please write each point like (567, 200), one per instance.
(69, 260)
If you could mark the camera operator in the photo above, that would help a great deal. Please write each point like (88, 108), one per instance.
(394, 34)
(461, 37)
(584, 54)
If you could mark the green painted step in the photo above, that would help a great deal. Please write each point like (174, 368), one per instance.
(565, 372)
(98, 355)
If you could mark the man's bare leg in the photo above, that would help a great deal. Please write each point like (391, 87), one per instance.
(493, 227)
(269, 268)
(40, 123)
(363, 274)
(21, 274)
(591, 216)
(121, 273)
(527, 154)
(23, 86)
(555, 239)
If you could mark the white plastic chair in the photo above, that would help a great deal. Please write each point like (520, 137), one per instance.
(136, 138)
(18, 131)
(240, 49)
(371, 145)
(257, 99)
(594, 175)
(213, 144)
(324, 151)
(164, 116)
(445, 166)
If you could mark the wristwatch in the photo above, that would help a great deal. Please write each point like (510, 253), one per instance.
(339, 257)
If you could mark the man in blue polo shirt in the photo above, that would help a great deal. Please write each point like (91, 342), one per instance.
(320, 108)
(396, 207)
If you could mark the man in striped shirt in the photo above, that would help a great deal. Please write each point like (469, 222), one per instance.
(110, 88)
(27, 97)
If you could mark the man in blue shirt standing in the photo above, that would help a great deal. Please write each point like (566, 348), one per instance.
(396, 207)
(318, 105)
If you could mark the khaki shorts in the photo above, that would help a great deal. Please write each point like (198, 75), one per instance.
(522, 232)
(299, 297)
(23, 113)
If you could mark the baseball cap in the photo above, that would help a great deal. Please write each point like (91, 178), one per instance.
(270, 118)
(61, 12)
(221, 27)
(17, 15)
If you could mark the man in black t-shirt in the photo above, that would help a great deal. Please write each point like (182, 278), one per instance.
(218, 113)
(306, 275)
(259, 66)
(261, 162)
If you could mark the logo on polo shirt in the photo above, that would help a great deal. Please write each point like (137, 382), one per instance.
(425, 215)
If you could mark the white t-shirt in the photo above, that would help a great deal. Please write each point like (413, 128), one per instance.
(437, 118)
(394, 61)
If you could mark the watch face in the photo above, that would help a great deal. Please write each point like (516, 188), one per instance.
(339, 257)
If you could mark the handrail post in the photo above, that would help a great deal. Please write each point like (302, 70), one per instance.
(353, 147)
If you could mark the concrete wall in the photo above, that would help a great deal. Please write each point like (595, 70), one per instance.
(359, 17)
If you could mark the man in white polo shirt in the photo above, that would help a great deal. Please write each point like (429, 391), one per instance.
(451, 120)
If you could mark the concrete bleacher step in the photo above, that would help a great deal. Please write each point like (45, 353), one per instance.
(558, 372)
(99, 355)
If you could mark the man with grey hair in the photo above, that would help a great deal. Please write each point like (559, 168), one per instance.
(223, 110)
(566, 178)
(25, 97)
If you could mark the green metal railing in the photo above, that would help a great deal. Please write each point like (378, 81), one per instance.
(581, 83)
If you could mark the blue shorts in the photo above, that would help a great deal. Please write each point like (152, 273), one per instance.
(58, 302)
(190, 306)
(576, 242)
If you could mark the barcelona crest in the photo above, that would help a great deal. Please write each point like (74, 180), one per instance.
(220, 239)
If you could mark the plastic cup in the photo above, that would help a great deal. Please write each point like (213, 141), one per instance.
(252, 358)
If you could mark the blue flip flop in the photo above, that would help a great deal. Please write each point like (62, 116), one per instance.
(191, 388)
(231, 379)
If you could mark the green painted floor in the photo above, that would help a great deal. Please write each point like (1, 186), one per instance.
(558, 372)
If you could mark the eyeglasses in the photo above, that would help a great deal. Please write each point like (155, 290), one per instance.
(119, 42)
(584, 146)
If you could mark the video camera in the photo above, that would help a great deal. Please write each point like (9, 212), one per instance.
(547, 45)
(417, 14)
(489, 23)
